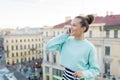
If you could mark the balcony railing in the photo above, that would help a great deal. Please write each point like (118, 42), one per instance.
(6, 51)
(107, 59)
(32, 49)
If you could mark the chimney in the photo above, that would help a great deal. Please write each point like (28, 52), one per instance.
(67, 18)
(95, 15)
(81, 15)
(111, 13)
(107, 13)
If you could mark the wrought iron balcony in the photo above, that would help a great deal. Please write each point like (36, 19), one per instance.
(107, 59)
(6, 51)
(32, 49)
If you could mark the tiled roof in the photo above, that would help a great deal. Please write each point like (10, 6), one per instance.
(108, 20)
(61, 25)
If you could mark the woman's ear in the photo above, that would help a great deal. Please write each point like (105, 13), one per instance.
(84, 28)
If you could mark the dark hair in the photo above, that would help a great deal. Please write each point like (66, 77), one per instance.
(85, 21)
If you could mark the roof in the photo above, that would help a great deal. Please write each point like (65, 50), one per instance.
(17, 74)
(11, 74)
(61, 25)
(108, 20)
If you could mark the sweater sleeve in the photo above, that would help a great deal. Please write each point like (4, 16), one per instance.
(94, 69)
(56, 42)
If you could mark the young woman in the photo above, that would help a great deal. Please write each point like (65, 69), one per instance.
(77, 54)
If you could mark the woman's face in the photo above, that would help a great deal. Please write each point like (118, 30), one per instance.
(76, 29)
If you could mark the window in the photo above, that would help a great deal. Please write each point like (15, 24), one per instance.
(12, 47)
(54, 58)
(119, 68)
(47, 57)
(25, 59)
(16, 47)
(28, 46)
(24, 40)
(115, 33)
(32, 39)
(54, 71)
(107, 51)
(46, 33)
(6, 41)
(107, 68)
(90, 34)
(7, 48)
(7, 54)
(39, 51)
(12, 54)
(39, 46)
(57, 72)
(20, 46)
(107, 33)
(20, 40)
(32, 45)
(29, 59)
(17, 54)
(16, 41)
(57, 33)
(29, 52)
(12, 41)
(25, 53)
(47, 70)
(21, 53)
(21, 59)
(13, 62)
(36, 45)
(17, 61)
(100, 28)
(35, 39)
(47, 77)
(54, 33)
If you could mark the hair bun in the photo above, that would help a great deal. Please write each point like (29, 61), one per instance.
(90, 18)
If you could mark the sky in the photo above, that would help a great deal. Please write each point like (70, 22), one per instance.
(38, 13)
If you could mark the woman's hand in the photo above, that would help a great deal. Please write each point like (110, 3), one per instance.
(78, 74)
(68, 31)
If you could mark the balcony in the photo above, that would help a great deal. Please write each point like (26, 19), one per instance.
(107, 59)
(32, 49)
(6, 51)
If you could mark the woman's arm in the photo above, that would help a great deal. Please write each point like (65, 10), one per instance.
(56, 42)
(94, 69)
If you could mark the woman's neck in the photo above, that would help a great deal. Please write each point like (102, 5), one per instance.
(80, 37)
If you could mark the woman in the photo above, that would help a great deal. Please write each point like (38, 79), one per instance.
(77, 54)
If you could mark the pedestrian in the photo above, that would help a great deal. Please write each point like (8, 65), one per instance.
(78, 55)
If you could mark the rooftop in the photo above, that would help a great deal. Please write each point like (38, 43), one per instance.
(108, 20)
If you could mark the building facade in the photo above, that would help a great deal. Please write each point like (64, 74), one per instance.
(2, 56)
(52, 70)
(104, 33)
(25, 47)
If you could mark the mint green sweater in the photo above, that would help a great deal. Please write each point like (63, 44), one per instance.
(76, 54)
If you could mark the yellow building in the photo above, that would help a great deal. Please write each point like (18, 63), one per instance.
(22, 47)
